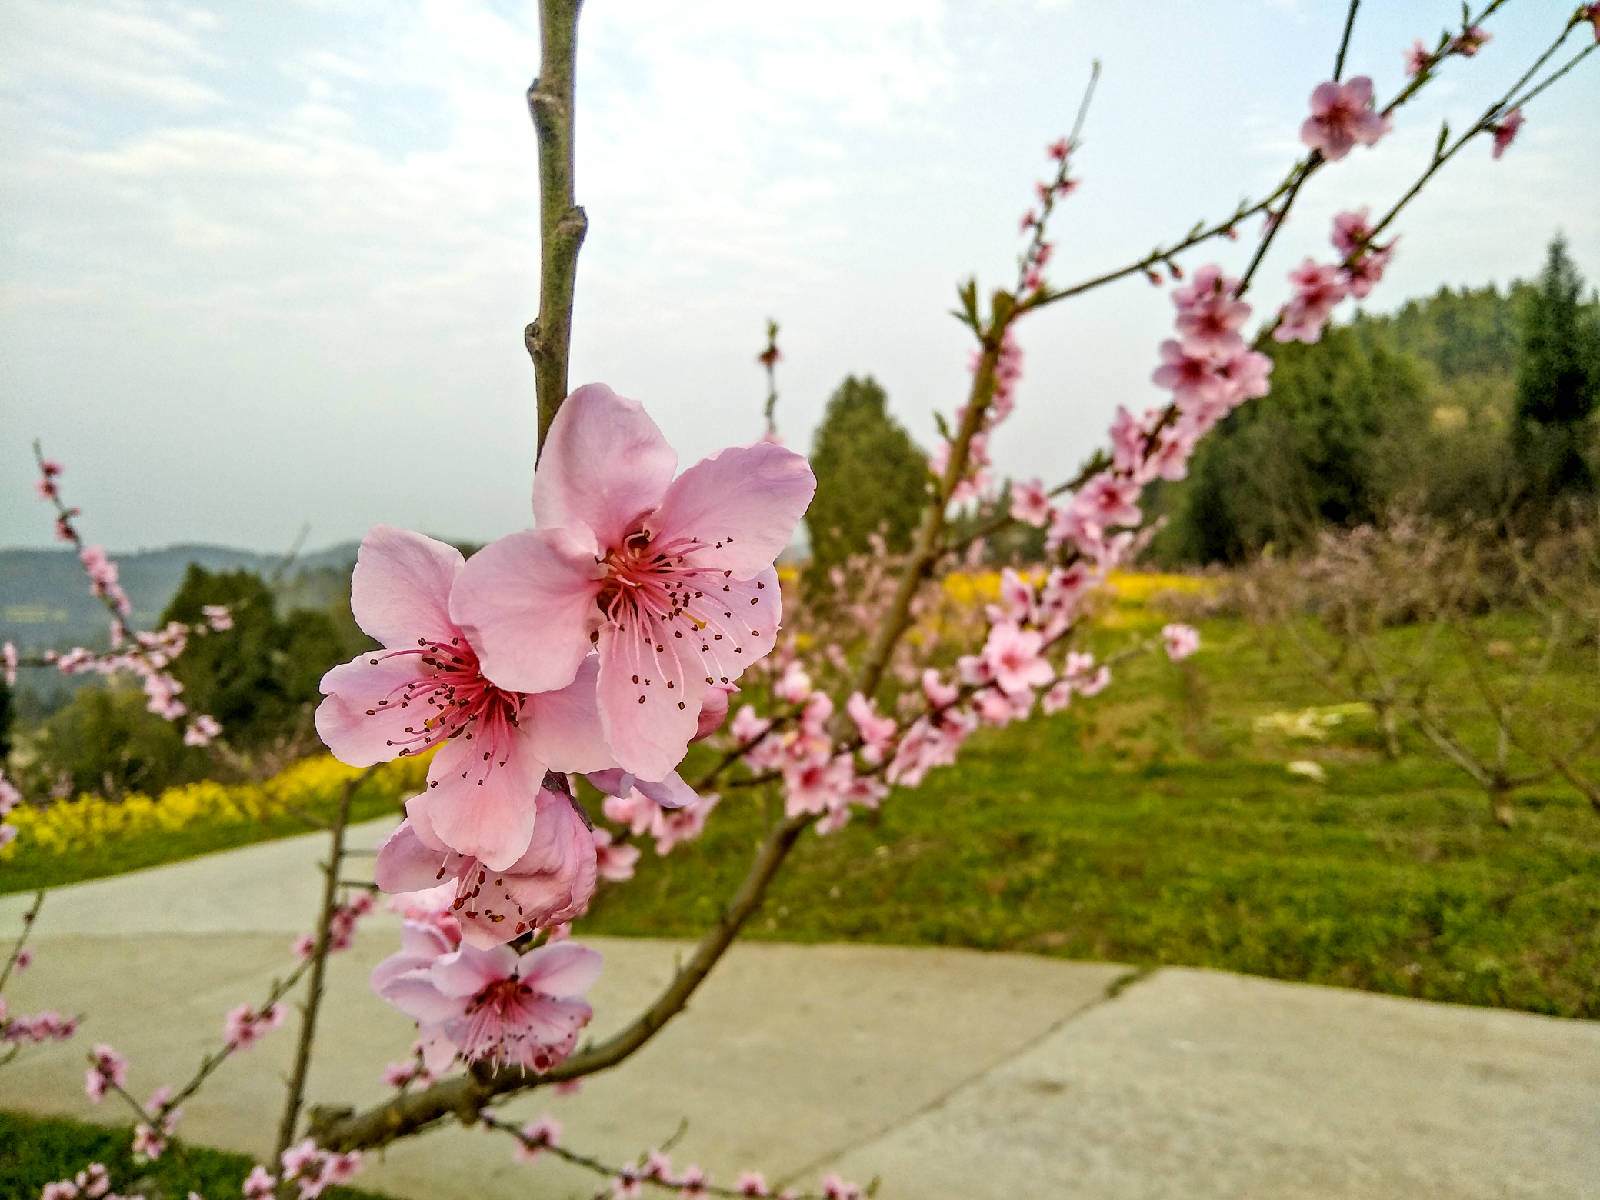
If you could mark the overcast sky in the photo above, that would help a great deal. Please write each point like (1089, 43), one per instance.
(267, 266)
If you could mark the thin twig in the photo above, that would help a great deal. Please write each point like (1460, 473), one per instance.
(28, 919)
(319, 959)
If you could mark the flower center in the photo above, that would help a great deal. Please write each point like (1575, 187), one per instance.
(451, 699)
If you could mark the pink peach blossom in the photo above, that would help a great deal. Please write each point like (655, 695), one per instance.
(425, 690)
(1505, 131)
(551, 881)
(1341, 116)
(493, 1005)
(671, 579)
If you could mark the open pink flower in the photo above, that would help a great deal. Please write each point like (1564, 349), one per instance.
(492, 1004)
(551, 882)
(425, 690)
(671, 579)
(1341, 116)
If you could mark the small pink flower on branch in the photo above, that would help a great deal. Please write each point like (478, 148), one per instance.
(1317, 291)
(201, 731)
(1181, 641)
(1469, 41)
(493, 1005)
(536, 1136)
(1505, 131)
(107, 1068)
(1418, 59)
(1030, 503)
(246, 1025)
(1341, 116)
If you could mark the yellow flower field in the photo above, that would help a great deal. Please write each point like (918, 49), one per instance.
(310, 785)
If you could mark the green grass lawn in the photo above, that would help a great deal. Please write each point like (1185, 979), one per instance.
(1155, 825)
(38, 1150)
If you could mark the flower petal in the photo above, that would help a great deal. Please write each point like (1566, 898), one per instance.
(469, 970)
(415, 994)
(401, 587)
(406, 864)
(564, 725)
(563, 969)
(647, 722)
(527, 606)
(743, 503)
(360, 718)
(604, 465)
(478, 809)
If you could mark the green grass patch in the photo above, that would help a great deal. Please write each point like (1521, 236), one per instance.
(35, 1151)
(1157, 824)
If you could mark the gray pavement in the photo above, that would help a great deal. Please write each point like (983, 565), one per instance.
(947, 1073)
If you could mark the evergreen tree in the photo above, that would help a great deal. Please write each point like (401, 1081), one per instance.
(1558, 382)
(259, 679)
(870, 476)
(1319, 450)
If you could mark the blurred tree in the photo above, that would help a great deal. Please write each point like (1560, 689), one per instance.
(870, 477)
(1323, 448)
(106, 742)
(259, 679)
(1558, 382)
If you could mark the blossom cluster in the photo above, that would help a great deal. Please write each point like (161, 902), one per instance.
(600, 642)
(46, 1026)
(146, 654)
(311, 1169)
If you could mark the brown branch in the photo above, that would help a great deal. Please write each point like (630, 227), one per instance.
(562, 224)
(319, 960)
(22, 938)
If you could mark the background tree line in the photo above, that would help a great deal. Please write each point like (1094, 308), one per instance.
(1471, 403)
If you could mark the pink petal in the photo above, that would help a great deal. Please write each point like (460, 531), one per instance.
(350, 720)
(486, 814)
(604, 465)
(401, 587)
(647, 723)
(743, 503)
(551, 1021)
(564, 969)
(438, 1051)
(416, 995)
(406, 864)
(469, 970)
(527, 606)
(564, 725)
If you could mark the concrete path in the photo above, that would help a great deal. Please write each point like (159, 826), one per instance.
(947, 1073)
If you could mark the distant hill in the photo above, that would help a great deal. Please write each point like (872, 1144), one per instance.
(45, 601)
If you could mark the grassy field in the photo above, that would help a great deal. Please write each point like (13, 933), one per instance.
(38, 1150)
(1158, 824)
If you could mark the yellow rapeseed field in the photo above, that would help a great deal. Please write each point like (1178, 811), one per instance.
(310, 784)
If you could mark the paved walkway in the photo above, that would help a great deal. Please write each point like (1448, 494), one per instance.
(948, 1073)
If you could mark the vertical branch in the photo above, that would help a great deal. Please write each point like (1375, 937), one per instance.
(22, 938)
(562, 223)
(319, 959)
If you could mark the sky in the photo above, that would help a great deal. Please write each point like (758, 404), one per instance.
(265, 268)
